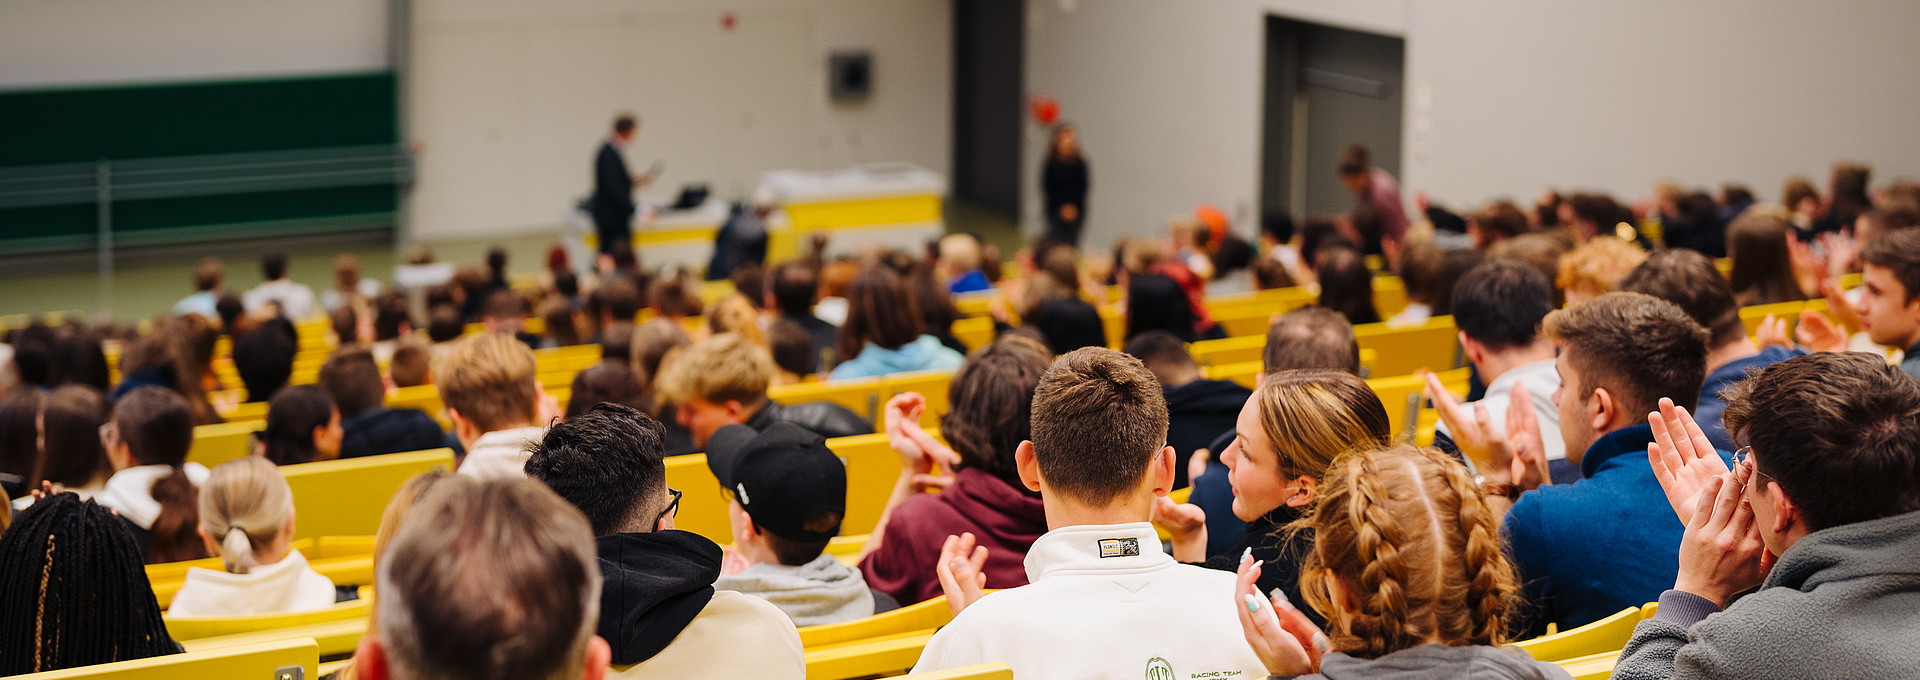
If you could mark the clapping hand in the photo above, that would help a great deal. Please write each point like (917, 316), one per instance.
(962, 571)
(1721, 553)
(1819, 334)
(1286, 641)
(920, 454)
(1517, 455)
(1682, 457)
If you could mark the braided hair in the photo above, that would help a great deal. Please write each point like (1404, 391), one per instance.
(1407, 552)
(73, 591)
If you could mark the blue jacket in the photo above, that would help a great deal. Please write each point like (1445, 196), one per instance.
(1589, 549)
(1711, 405)
(923, 354)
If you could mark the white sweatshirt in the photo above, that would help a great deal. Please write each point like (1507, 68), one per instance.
(1104, 602)
(502, 454)
(289, 585)
(130, 491)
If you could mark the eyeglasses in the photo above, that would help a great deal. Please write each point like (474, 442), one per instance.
(1744, 458)
(673, 508)
(108, 433)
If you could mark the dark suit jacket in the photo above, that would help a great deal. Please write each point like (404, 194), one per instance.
(612, 186)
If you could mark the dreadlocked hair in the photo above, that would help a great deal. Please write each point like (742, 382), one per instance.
(73, 591)
(1407, 552)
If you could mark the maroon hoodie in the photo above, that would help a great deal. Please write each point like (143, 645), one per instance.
(1004, 519)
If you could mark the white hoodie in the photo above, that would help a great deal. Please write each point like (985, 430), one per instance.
(1104, 602)
(131, 491)
(289, 585)
(502, 454)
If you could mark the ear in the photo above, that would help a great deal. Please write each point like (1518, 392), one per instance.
(1602, 409)
(1305, 489)
(599, 655)
(1028, 467)
(370, 658)
(1161, 469)
(1474, 351)
(286, 532)
(735, 412)
(121, 456)
(1786, 513)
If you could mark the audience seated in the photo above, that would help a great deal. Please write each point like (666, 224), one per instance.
(1157, 303)
(1098, 459)
(1593, 269)
(659, 609)
(787, 493)
(152, 487)
(1891, 309)
(264, 358)
(1407, 568)
(19, 449)
(1346, 286)
(1498, 308)
(1821, 513)
(1297, 423)
(497, 405)
(1592, 548)
(74, 592)
(792, 349)
(505, 312)
(71, 456)
(293, 300)
(792, 289)
(883, 332)
(959, 265)
(392, 324)
(412, 365)
(989, 411)
(352, 379)
(608, 382)
(735, 314)
(1689, 279)
(1198, 410)
(303, 426)
(349, 288)
(209, 281)
(1763, 270)
(246, 518)
(723, 380)
(486, 579)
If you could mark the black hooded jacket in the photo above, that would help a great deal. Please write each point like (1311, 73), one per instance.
(653, 586)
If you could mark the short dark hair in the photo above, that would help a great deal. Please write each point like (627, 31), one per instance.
(273, 265)
(621, 299)
(352, 378)
(1636, 346)
(1356, 159)
(1688, 279)
(794, 286)
(750, 280)
(1900, 252)
(292, 417)
(390, 310)
(624, 123)
(1098, 420)
(606, 382)
(264, 357)
(1311, 338)
(410, 365)
(497, 262)
(791, 346)
(1159, 348)
(444, 323)
(1501, 220)
(1346, 286)
(608, 463)
(1277, 225)
(1839, 431)
(208, 274)
(1501, 302)
(505, 304)
(156, 423)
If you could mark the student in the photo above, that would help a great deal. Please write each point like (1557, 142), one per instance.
(152, 485)
(486, 579)
(348, 287)
(1820, 512)
(1377, 192)
(883, 333)
(792, 288)
(791, 347)
(959, 265)
(1346, 286)
(659, 610)
(264, 358)
(496, 403)
(19, 440)
(505, 312)
(1688, 279)
(609, 382)
(1098, 459)
(76, 593)
(72, 458)
(1406, 566)
(294, 300)
(787, 493)
(1762, 262)
(1594, 268)
(209, 279)
(989, 409)
(302, 427)
(1589, 549)
(1311, 338)
(1891, 306)
(736, 314)
(723, 380)
(1294, 426)
(370, 428)
(412, 365)
(246, 517)
(1498, 307)
(1197, 409)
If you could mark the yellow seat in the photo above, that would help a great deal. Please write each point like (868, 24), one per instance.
(974, 332)
(847, 548)
(1405, 400)
(932, 613)
(1606, 635)
(168, 571)
(347, 497)
(424, 398)
(1231, 350)
(982, 671)
(258, 660)
(974, 305)
(872, 657)
(571, 358)
(862, 395)
(1433, 346)
(703, 508)
(341, 546)
(246, 410)
(196, 627)
(1751, 316)
(332, 638)
(1592, 667)
(872, 469)
(221, 442)
(1247, 373)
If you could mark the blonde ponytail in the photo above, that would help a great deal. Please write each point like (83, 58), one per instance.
(245, 503)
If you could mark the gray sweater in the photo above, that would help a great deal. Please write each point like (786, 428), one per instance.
(818, 592)
(1436, 661)
(1843, 602)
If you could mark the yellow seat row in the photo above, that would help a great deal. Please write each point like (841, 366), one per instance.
(872, 468)
(866, 396)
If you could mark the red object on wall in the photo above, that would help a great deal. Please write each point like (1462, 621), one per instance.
(727, 21)
(1045, 110)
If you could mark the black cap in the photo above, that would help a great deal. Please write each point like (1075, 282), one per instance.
(783, 476)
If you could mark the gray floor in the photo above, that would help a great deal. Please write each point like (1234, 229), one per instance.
(147, 283)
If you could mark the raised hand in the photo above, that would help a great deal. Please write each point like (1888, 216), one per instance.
(1721, 552)
(1819, 334)
(1682, 457)
(1843, 311)
(1186, 523)
(1528, 451)
(919, 452)
(1467, 431)
(1285, 640)
(1197, 464)
(962, 571)
(1772, 331)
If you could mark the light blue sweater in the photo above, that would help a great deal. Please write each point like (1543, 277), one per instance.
(923, 354)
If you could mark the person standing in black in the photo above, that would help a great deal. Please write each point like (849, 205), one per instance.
(1063, 185)
(612, 203)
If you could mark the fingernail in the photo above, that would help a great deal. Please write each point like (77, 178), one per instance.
(1253, 603)
(1246, 555)
(1320, 642)
(1280, 596)
(1257, 563)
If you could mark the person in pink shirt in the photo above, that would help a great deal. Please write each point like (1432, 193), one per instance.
(1377, 190)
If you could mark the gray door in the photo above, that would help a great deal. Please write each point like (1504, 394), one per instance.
(988, 47)
(1326, 88)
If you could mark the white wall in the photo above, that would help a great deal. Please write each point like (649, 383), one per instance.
(66, 43)
(1610, 95)
(509, 100)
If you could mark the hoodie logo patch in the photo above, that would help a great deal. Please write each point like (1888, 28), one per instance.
(1158, 668)
(1119, 547)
